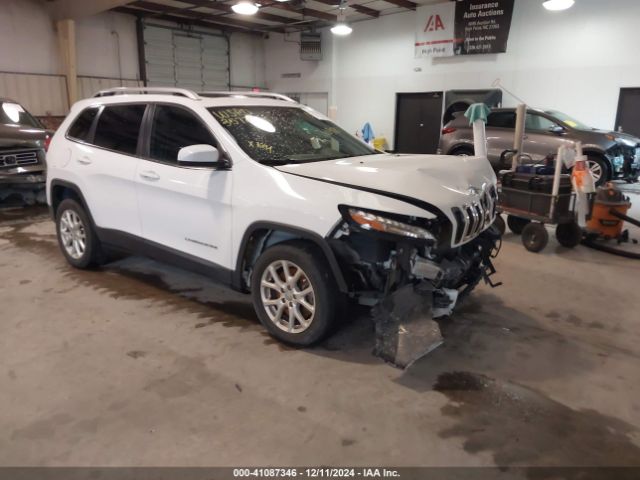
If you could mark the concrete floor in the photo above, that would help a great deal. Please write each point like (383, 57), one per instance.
(141, 364)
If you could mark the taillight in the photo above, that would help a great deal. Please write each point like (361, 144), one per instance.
(447, 130)
(47, 142)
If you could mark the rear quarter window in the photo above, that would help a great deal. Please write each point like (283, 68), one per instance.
(502, 120)
(81, 128)
(118, 128)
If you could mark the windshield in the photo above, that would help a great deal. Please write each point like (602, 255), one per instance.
(567, 120)
(13, 114)
(280, 135)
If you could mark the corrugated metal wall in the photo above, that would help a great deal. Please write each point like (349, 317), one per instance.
(88, 86)
(46, 95)
(40, 94)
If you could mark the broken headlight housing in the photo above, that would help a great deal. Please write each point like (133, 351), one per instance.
(411, 228)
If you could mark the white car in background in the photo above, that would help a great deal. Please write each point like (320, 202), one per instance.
(270, 197)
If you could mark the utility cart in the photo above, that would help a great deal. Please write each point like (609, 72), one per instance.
(535, 198)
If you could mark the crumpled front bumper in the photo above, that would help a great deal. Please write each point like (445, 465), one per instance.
(404, 320)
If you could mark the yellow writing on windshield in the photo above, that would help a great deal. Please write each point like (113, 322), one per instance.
(231, 117)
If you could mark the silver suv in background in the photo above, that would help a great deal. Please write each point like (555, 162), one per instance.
(610, 154)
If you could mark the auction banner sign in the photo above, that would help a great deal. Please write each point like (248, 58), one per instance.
(464, 27)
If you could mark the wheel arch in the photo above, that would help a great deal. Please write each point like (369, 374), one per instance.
(596, 152)
(262, 235)
(61, 190)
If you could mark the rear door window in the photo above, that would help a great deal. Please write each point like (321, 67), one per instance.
(502, 120)
(119, 127)
(174, 128)
(81, 127)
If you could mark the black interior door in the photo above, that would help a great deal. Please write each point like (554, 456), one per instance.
(418, 122)
(629, 111)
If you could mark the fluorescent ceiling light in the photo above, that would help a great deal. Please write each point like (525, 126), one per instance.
(341, 29)
(556, 5)
(245, 7)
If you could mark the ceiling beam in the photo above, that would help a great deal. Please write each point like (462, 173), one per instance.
(189, 21)
(372, 12)
(403, 3)
(157, 9)
(358, 8)
(221, 7)
(307, 12)
(72, 9)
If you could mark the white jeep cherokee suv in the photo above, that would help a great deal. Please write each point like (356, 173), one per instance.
(270, 197)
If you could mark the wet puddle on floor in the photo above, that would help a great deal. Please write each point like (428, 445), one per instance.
(520, 425)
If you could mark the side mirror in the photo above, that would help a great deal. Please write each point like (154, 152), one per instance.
(557, 129)
(202, 156)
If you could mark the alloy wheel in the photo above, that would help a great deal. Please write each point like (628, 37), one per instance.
(596, 170)
(288, 296)
(73, 234)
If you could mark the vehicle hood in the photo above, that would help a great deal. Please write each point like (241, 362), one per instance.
(623, 138)
(15, 136)
(440, 180)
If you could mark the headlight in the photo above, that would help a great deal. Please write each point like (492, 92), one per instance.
(375, 222)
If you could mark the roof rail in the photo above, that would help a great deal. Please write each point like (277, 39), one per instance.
(240, 94)
(148, 90)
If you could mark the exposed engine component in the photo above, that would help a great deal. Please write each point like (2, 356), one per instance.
(412, 284)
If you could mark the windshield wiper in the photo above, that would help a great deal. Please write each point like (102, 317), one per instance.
(272, 163)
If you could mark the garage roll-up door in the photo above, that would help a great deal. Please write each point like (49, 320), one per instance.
(176, 58)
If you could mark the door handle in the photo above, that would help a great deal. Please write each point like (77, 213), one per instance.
(84, 161)
(149, 175)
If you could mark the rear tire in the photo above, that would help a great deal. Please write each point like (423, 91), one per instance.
(517, 224)
(460, 151)
(76, 236)
(535, 237)
(569, 235)
(294, 293)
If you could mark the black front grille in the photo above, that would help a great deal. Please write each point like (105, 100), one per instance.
(475, 217)
(18, 158)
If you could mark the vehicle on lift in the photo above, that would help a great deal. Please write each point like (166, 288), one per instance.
(610, 154)
(23, 144)
(270, 197)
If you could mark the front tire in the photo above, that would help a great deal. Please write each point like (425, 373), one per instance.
(294, 293)
(76, 237)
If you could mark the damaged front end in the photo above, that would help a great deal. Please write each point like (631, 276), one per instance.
(407, 269)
